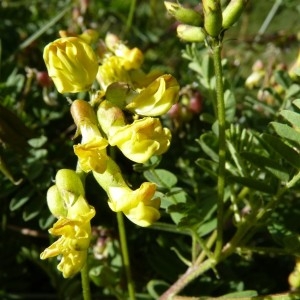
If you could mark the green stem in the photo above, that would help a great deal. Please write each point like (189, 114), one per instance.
(268, 19)
(85, 283)
(216, 48)
(125, 255)
(130, 16)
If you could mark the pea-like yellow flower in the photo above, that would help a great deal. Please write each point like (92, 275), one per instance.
(75, 232)
(131, 58)
(138, 205)
(72, 64)
(91, 152)
(112, 70)
(123, 198)
(157, 98)
(141, 139)
(145, 213)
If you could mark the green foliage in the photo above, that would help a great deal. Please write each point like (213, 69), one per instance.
(262, 168)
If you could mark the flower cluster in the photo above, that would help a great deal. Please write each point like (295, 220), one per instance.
(123, 113)
(198, 26)
(66, 201)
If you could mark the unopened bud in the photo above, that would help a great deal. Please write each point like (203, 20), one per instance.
(55, 202)
(69, 185)
(82, 111)
(190, 33)
(184, 15)
(212, 17)
(109, 115)
(232, 12)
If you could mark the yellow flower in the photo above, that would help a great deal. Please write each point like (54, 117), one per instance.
(138, 205)
(122, 198)
(157, 98)
(141, 139)
(71, 63)
(145, 213)
(112, 70)
(91, 152)
(75, 232)
(131, 58)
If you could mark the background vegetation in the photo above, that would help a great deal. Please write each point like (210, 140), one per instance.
(36, 133)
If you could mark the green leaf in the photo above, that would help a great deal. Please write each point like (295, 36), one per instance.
(283, 79)
(230, 105)
(209, 166)
(205, 141)
(21, 198)
(254, 184)
(38, 142)
(286, 132)
(296, 103)
(237, 159)
(33, 208)
(293, 90)
(286, 152)
(175, 203)
(292, 117)
(162, 178)
(285, 237)
(268, 164)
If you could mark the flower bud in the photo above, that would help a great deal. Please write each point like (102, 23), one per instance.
(157, 98)
(232, 12)
(109, 115)
(55, 202)
(71, 63)
(212, 17)
(184, 15)
(69, 185)
(190, 33)
(82, 111)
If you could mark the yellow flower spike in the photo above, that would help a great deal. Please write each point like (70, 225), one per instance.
(71, 63)
(141, 139)
(91, 152)
(157, 98)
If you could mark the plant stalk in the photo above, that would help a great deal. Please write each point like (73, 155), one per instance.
(216, 49)
(125, 256)
(85, 283)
